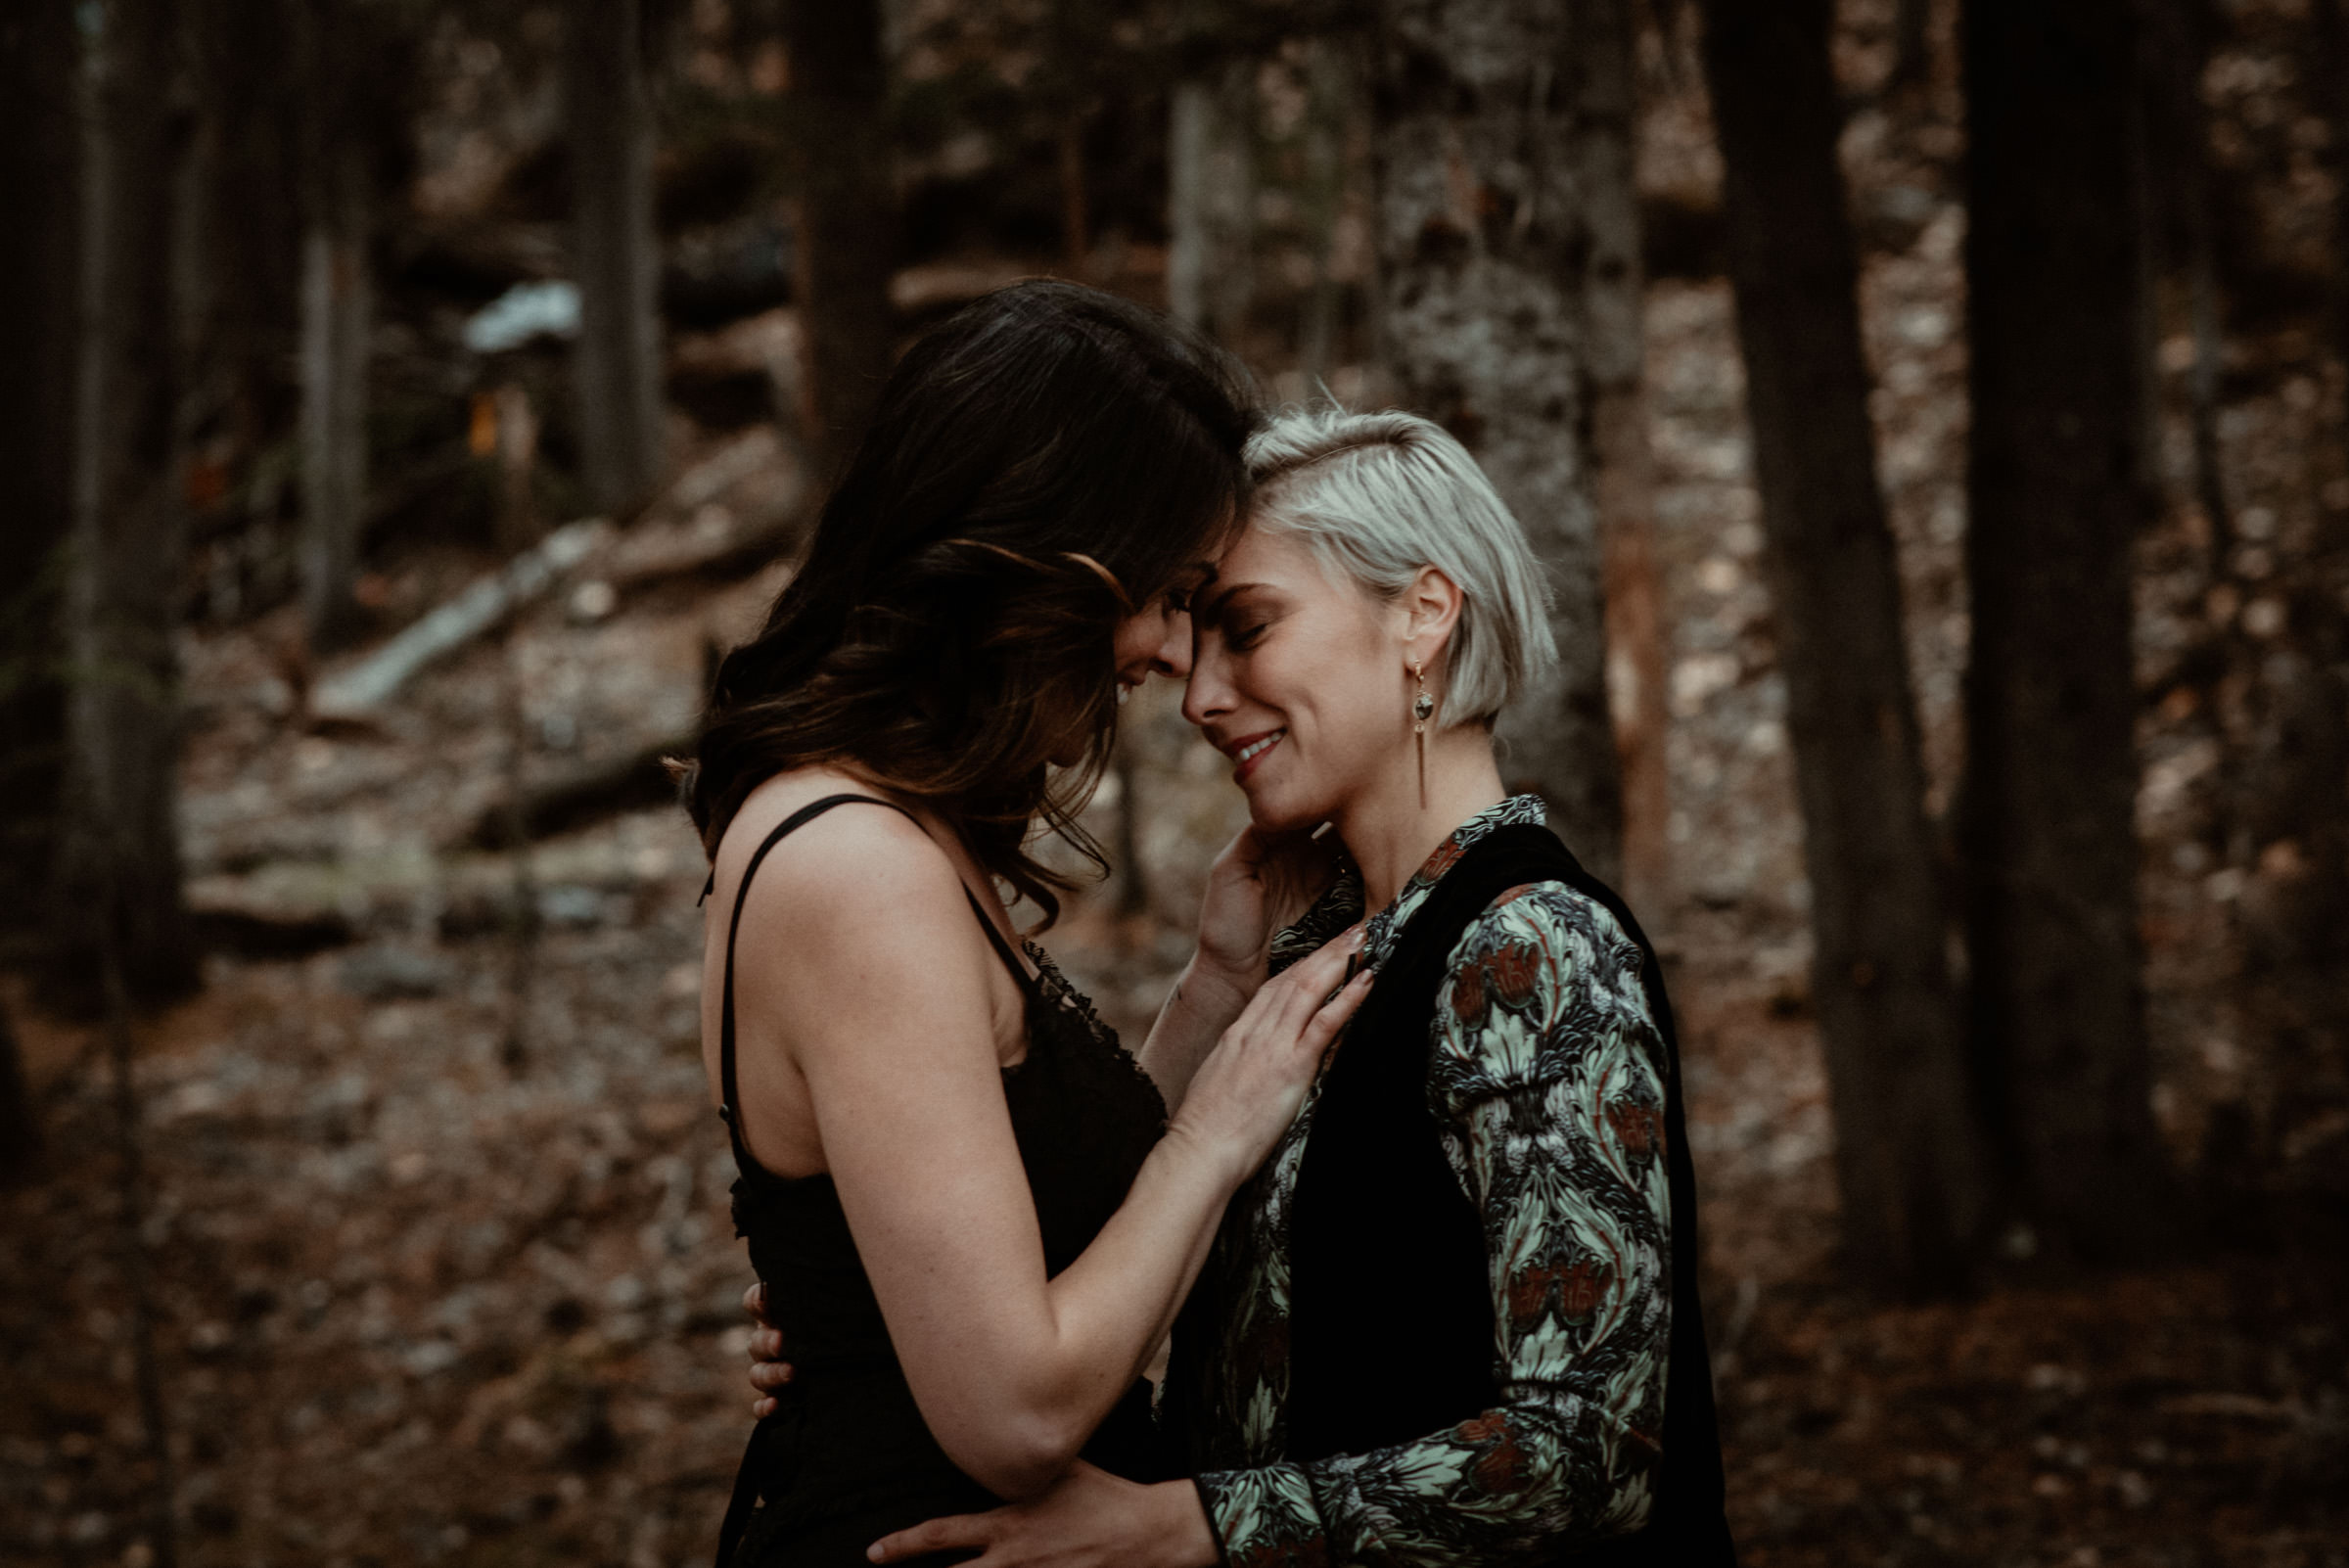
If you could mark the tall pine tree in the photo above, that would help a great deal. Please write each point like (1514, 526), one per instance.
(848, 217)
(2056, 501)
(38, 166)
(117, 874)
(1908, 1159)
(616, 256)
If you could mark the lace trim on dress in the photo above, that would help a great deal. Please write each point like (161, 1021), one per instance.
(1068, 1002)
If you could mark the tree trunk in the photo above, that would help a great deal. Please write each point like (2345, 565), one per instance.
(20, 1122)
(1907, 1166)
(37, 284)
(1614, 293)
(847, 223)
(1211, 206)
(2051, 856)
(119, 852)
(615, 257)
(1333, 107)
(1491, 137)
(2182, 51)
(2295, 909)
(1911, 42)
(336, 317)
(2331, 20)
(2178, 205)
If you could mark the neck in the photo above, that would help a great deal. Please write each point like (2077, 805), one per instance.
(1390, 833)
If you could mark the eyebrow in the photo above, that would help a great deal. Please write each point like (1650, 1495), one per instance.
(1215, 606)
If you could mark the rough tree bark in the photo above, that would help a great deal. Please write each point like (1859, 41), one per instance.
(615, 258)
(1211, 206)
(1491, 135)
(335, 316)
(2059, 1026)
(1333, 108)
(847, 218)
(117, 871)
(37, 176)
(2295, 803)
(1908, 1166)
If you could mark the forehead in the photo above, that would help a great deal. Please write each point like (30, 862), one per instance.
(1257, 556)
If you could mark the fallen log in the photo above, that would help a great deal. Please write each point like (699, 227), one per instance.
(359, 688)
(291, 908)
(701, 537)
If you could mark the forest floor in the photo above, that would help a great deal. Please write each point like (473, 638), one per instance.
(419, 1304)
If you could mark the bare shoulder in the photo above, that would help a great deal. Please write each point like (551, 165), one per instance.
(836, 875)
(852, 964)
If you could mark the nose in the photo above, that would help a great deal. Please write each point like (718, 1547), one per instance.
(1172, 655)
(1208, 696)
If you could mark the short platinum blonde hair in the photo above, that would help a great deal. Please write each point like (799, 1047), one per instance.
(1378, 496)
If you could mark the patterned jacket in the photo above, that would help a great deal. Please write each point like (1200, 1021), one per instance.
(1546, 1082)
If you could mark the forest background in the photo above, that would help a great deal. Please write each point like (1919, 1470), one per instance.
(1936, 424)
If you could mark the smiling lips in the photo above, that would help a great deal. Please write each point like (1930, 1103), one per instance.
(1248, 753)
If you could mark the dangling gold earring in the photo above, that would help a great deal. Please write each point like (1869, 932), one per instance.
(1423, 707)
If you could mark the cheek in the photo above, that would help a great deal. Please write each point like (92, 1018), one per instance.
(1327, 692)
(1136, 636)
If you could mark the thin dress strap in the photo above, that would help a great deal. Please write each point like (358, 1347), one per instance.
(742, 892)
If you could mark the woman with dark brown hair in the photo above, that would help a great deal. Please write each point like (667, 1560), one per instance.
(953, 1181)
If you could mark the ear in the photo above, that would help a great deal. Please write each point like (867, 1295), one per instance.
(1431, 609)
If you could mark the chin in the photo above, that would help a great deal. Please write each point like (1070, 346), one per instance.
(1281, 812)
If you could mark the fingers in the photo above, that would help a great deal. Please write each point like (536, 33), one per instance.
(961, 1532)
(1320, 971)
(769, 1371)
(1289, 999)
(1325, 968)
(1335, 1012)
(1283, 1011)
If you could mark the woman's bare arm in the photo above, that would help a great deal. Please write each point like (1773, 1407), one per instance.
(861, 965)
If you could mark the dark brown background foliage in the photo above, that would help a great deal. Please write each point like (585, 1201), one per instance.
(1936, 416)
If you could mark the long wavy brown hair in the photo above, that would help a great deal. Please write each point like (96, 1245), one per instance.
(1046, 461)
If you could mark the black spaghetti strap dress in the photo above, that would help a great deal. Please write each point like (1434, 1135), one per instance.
(846, 1458)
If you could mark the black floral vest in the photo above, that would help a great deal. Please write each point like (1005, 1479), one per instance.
(1391, 1329)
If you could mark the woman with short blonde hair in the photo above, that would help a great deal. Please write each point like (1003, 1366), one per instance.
(1452, 1319)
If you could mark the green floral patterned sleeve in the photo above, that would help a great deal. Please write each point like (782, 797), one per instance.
(1546, 1081)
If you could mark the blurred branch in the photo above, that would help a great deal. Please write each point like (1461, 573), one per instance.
(358, 690)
